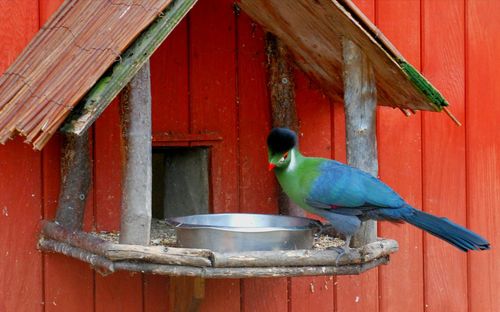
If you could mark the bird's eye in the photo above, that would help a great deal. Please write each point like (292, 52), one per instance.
(284, 157)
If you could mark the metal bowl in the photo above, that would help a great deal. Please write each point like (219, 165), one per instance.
(228, 232)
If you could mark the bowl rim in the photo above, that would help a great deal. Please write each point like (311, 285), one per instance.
(312, 224)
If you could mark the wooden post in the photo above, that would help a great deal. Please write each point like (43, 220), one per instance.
(360, 100)
(137, 176)
(75, 181)
(282, 97)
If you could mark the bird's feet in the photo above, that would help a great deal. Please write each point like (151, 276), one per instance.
(342, 251)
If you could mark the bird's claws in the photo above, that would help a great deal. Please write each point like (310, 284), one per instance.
(342, 251)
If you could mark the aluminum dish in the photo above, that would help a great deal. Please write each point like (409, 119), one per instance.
(232, 232)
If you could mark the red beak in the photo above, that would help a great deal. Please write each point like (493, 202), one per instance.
(271, 166)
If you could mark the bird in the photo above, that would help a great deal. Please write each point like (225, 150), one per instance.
(345, 196)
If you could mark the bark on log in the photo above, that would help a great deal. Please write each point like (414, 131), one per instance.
(88, 242)
(158, 254)
(137, 177)
(294, 258)
(75, 182)
(112, 251)
(199, 262)
(206, 272)
(360, 100)
(78, 253)
(281, 88)
(173, 270)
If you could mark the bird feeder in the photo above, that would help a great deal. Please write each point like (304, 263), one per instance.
(330, 40)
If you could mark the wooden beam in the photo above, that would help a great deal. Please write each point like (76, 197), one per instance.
(304, 257)
(137, 150)
(75, 183)
(105, 265)
(119, 252)
(207, 272)
(360, 101)
(351, 269)
(108, 86)
(281, 88)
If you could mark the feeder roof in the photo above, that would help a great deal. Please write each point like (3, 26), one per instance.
(313, 31)
(68, 61)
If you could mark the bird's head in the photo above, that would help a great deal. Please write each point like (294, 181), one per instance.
(280, 142)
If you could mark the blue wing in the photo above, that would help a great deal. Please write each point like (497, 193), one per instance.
(348, 190)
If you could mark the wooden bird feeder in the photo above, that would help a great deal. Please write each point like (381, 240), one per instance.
(46, 89)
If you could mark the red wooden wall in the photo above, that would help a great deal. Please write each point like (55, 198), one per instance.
(209, 76)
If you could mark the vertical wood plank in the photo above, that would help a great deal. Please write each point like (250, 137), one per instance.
(170, 84)
(213, 94)
(221, 295)
(400, 166)
(445, 267)
(356, 293)
(257, 186)
(47, 8)
(156, 290)
(20, 213)
(313, 110)
(120, 291)
(20, 181)
(483, 149)
(214, 108)
(258, 189)
(108, 169)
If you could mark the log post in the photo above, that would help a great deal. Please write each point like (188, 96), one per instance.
(360, 101)
(281, 89)
(135, 102)
(75, 181)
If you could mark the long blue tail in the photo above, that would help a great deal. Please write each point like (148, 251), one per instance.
(443, 228)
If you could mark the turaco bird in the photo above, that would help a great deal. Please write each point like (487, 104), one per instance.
(345, 196)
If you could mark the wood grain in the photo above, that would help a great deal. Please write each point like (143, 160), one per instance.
(400, 162)
(20, 182)
(483, 148)
(214, 108)
(444, 183)
(257, 186)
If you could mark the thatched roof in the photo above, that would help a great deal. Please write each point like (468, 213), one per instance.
(65, 59)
